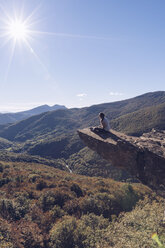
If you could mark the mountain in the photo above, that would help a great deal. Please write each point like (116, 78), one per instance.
(14, 117)
(42, 109)
(66, 121)
(53, 134)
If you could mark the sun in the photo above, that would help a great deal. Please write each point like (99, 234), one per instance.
(18, 30)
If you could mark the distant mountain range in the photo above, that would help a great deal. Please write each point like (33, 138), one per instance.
(135, 115)
(13, 117)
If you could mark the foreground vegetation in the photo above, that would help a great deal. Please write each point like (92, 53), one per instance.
(41, 206)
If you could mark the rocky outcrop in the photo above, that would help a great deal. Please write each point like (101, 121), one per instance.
(143, 157)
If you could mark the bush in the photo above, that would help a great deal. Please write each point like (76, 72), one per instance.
(28, 235)
(101, 204)
(56, 212)
(41, 185)
(62, 234)
(50, 198)
(90, 231)
(33, 177)
(94, 222)
(76, 188)
(10, 209)
(19, 179)
(7, 208)
(5, 237)
(72, 207)
(21, 206)
(1, 168)
(129, 199)
(4, 243)
(134, 229)
(84, 233)
(4, 181)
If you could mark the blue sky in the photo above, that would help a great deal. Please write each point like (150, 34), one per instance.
(81, 52)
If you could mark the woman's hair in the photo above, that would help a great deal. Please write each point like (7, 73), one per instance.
(101, 115)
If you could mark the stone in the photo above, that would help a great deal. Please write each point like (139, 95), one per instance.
(143, 157)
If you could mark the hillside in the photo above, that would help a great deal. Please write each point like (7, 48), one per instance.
(14, 117)
(66, 121)
(141, 121)
(53, 134)
(41, 206)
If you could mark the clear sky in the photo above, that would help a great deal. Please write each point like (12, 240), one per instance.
(79, 52)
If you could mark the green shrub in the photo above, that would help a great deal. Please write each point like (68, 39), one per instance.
(62, 234)
(76, 188)
(94, 222)
(50, 198)
(129, 199)
(56, 212)
(84, 233)
(19, 179)
(100, 204)
(4, 181)
(7, 208)
(72, 207)
(4, 243)
(41, 185)
(14, 209)
(5, 235)
(157, 240)
(90, 231)
(21, 206)
(33, 177)
(1, 168)
(134, 229)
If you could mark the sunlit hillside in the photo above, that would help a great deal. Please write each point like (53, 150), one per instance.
(41, 206)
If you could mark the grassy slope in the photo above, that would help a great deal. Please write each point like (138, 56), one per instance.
(41, 205)
(142, 120)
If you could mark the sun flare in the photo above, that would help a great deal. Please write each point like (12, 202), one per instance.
(18, 30)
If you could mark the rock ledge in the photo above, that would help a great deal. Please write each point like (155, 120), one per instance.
(143, 157)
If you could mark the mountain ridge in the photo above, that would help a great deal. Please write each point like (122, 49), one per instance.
(6, 118)
(68, 120)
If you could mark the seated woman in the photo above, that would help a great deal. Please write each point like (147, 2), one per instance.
(104, 122)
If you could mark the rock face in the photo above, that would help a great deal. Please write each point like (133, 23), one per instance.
(143, 157)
